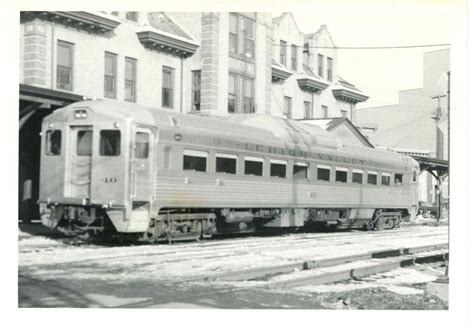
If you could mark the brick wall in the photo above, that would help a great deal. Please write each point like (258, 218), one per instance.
(210, 61)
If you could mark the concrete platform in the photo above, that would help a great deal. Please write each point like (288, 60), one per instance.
(439, 288)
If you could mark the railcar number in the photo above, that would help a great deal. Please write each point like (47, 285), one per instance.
(109, 180)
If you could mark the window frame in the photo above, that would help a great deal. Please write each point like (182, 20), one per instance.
(112, 56)
(253, 159)
(170, 71)
(395, 179)
(344, 170)
(196, 91)
(77, 153)
(196, 154)
(373, 173)
(49, 142)
(325, 110)
(133, 81)
(301, 164)
(323, 167)
(274, 162)
(283, 54)
(70, 47)
(228, 156)
(321, 65)
(329, 69)
(287, 106)
(239, 97)
(241, 40)
(308, 109)
(102, 151)
(383, 178)
(133, 18)
(147, 145)
(294, 57)
(357, 171)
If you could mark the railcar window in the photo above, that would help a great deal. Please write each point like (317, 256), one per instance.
(357, 176)
(195, 160)
(414, 175)
(372, 178)
(300, 171)
(323, 173)
(341, 175)
(109, 143)
(278, 168)
(226, 163)
(84, 143)
(142, 145)
(253, 166)
(398, 179)
(385, 179)
(53, 142)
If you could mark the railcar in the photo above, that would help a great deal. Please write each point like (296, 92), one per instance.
(110, 167)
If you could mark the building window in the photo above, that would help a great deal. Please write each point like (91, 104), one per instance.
(323, 172)
(167, 88)
(278, 168)
(132, 15)
(385, 179)
(109, 143)
(253, 166)
(357, 176)
(241, 35)
(110, 74)
(287, 107)
(372, 178)
(64, 65)
(308, 110)
(330, 69)
(320, 65)
(53, 142)
(142, 144)
(341, 175)
(196, 91)
(232, 100)
(324, 108)
(283, 53)
(300, 170)
(226, 163)
(195, 160)
(241, 94)
(130, 79)
(294, 60)
(414, 175)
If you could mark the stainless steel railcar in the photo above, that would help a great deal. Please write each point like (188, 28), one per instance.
(128, 169)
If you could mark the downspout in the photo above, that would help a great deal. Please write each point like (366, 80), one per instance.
(181, 90)
(52, 53)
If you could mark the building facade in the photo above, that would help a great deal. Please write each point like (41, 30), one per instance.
(418, 124)
(210, 63)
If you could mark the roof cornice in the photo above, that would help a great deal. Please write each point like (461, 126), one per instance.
(158, 41)
(349, 96)
(85, 20)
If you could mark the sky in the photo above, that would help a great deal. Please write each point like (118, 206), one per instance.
(380, 73)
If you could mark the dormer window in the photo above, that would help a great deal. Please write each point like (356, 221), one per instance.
(132, 15)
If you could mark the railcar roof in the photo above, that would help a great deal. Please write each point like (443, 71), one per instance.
(256, 128)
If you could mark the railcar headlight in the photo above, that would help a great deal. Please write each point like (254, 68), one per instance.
(80, 114)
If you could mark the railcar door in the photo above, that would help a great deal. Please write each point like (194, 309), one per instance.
(78, 166)
(142, 164)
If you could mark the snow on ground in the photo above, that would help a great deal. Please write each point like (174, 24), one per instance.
(49, 258)
(398, 280)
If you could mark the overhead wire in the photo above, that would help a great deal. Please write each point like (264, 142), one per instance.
(367, 47)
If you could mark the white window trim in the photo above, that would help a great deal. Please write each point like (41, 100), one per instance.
(192, 152)
(301, 164)
(357, 171)
(327, 167)
(223, 155)
(342, 169)
(254, 159)
(282, 162)
(385, 174)
(373, 172)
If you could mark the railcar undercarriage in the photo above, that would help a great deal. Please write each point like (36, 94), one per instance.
(178, 224)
